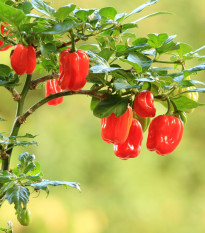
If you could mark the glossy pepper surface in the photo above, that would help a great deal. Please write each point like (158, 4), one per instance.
(52, 87)
(4, 33)
(74, 68)
(144, 104)
(23, 59)
(116, 129)
(132, 146)
(164, 135)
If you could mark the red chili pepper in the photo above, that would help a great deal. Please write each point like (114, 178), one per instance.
(132, 146)
(164, 135)
(23, 59)
(144, 104)
(116, 129)
(52, 87)
(74, 68)
(2, 42)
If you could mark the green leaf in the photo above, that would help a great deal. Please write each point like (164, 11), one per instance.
(183, 49)
(47, 49)
(61, 27)
(63, 12)
(44, 184)
(113, 104)
(182, 103)
(92, 47)
(11, 15)
(139, 61)
(140, 8)
(140, 41)
(108, 12)
(194, 69)
(121, 84)
(18, 195)
(26, 7)
(6, 176)
(43, 7)
(132, 49)
(156, 40)
(84, 13)
(168, 45)
(120, 17)
(106, 53)
(94, 102)
(151, 15)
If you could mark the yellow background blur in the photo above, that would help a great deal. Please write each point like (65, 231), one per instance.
(149, 194)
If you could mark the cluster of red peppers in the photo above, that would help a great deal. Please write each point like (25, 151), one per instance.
(126, 133)
(73, 69)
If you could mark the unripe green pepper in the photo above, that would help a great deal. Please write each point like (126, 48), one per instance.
(191, 95)
(24, 217)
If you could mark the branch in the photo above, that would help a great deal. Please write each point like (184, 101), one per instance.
(169, 62)
(35, 82)
(14, 92)
(93, 93)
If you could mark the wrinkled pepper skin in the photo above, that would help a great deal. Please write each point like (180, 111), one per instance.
(2, 42)
(132, 146)
(73, 68)
(164, 135)
(144, 104)
(23, 59)
(116, 129)
(52, 87)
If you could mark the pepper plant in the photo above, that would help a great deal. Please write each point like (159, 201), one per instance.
(97, 53)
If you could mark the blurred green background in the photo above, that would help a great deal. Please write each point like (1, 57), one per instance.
(149, 194)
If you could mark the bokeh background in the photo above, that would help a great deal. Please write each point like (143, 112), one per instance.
(149, 194)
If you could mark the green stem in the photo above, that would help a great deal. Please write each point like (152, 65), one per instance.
(73, 48)
(169, 111)
(17, 124)
(167, 62)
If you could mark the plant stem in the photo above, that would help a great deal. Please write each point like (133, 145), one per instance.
(16, 126)
(167, 62)
(73, 48)
(93, 93)
(35, 82)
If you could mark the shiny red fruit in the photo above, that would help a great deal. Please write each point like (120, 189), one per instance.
(164, 135)
(132, 146)
(52, 87)
(116, 129)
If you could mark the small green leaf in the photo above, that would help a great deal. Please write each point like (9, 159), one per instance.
(108, 12)
(25, 157)
(151, 15)
(6, 176)
(63, 12)
(26, 7)
(11, 15)
(106, 53)
(183, 49)
(42, 7)
(156, 40)
(194, 69)
(121, 84)
(182, 103)
(140, 8)
(113, 104)
(120, 17)
(44, 184)
(18, 195)
(47, 49)
(92, 47)
(94, 102)
(84, 13)
(61, 27)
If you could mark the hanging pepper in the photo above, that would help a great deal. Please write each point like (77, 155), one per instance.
(132, 146)
(116, 129)
(144, 104)
(52, 87)
(164, 135)
(23, 59)
(74, 68)
(3, 33)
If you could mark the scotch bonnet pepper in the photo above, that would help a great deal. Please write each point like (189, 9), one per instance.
(23, 59)
(52, 87)
(144, 104)
(73, 68)
(164, 135)
(132, 146)
(116, 129)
